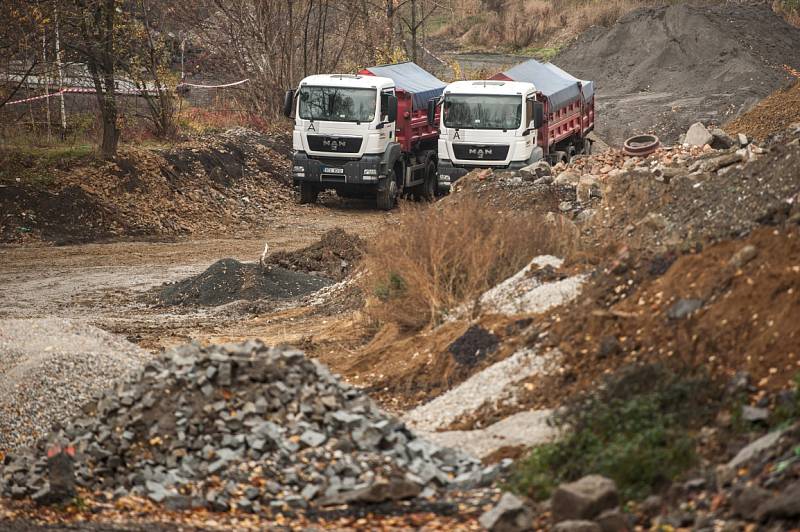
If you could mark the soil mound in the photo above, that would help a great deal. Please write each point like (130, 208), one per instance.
(334, 256)
(229, 280)
(661, 69)
(208, 184)
(65, 216)
(773, 115)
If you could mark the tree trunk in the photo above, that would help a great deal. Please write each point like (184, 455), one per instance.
(414, 30)
(110, 132)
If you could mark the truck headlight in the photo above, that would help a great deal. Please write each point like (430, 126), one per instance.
(370, 171)
(301, 169)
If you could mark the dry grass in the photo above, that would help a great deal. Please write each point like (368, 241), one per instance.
(443, 256)
(789, 10)
(521, 24)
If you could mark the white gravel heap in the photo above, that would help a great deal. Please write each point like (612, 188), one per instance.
(524, 293)
(527, 428)
(50, 368)
(491, 384)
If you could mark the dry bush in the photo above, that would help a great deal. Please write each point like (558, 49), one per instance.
(442, 256)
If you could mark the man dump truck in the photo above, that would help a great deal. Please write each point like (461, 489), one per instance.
(531, 112)
(365, 135)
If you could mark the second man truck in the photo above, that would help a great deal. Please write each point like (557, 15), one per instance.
(534, 111)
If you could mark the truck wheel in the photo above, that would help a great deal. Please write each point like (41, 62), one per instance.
(587, 147)
(559, 157)
(431, 182)
(308, 192)
(387, 196)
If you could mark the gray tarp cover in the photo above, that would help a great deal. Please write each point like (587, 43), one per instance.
(559, 86)
(413, 79)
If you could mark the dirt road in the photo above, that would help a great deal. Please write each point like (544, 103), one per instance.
(105, 284)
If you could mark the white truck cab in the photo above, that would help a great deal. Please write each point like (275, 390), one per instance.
(365, 135)
(343, 116)
(487, 124)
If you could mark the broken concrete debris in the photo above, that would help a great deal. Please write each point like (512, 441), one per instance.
(698, 135)
(510, 514)
(584, 499)
(277, 430)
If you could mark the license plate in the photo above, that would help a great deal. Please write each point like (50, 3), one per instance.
(327, 170)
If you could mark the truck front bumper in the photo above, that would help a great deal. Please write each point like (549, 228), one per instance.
(331, 173)
(450, 173)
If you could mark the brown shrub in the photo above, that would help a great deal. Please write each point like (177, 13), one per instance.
(442, 256)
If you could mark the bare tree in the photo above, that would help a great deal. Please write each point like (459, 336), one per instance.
(276, 43)
(20, 19)
(149, 62)
(414, 17)
(94, 29)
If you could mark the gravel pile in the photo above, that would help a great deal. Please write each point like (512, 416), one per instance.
(525, 292)
(660, 69)
(247, 427)
(229, 280)
(50, 368)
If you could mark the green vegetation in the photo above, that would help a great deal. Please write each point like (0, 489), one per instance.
(394, 286)
(636, 430)
(540, 54)
(34, 165)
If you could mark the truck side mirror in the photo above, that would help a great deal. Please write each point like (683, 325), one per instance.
(432, 112)
(391, 112)
(288, 103)
(538, 114)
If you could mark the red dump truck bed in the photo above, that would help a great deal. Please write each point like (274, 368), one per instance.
(568, 102)
(413, 87)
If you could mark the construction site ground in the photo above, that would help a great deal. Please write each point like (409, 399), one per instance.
(105, 284)
(688, 258)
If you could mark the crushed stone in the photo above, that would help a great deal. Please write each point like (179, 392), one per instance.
(524, 292)
(49, 368)
(526, 429)
(491, 384)
(247, 427)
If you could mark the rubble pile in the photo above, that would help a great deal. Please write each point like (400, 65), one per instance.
(333, 256)
(241, 426)
(759, 485)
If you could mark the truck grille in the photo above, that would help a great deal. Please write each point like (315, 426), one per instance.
(334, 144)
(480, 152)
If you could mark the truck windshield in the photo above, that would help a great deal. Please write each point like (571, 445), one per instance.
(337, 104)
(473, 111)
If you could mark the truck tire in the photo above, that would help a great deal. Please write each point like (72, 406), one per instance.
(308, 192)
(386, 197)
(560, 157)
(428, 192)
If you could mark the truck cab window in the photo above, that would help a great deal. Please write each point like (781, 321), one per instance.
(337, 104)
(469, 111)
(529, 112)
(384, 106)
